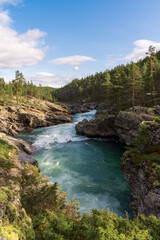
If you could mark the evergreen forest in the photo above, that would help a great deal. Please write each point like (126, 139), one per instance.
(123, 86)
(19, 89)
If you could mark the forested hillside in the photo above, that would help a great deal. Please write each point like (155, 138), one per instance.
(19, 88)
(123, 86)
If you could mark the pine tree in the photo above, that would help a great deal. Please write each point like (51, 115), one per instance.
(135, 80)
(152, 67)
(2, 90)
(108, 84)
(10, 91)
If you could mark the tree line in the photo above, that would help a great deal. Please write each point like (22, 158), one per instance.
(123, 86)
(19, 88)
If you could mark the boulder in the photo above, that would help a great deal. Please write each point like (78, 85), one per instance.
(102, 126)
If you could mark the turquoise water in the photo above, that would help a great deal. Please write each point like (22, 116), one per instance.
(87, 169)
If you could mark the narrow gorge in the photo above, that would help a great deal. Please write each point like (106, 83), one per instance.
(89, 170)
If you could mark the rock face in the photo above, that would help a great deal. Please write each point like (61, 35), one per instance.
(16, 119)
(127, 123)
(102, 126)
(144, 177)
(145, 187)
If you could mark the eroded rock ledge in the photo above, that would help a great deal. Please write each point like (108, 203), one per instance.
(32, 114)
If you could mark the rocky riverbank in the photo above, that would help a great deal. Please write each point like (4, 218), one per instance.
(32, 114)
(20, 179)
(125, 125)
(85, 107)
(138, 128)
(30, 206)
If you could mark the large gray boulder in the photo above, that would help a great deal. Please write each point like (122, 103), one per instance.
(102, 126)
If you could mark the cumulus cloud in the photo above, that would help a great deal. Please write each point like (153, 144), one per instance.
(75, 61)
(19, 50)
(49, 79)
(139, 52)
(140, 49)
(5, 20)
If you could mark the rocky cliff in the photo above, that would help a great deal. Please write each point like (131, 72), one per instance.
(141, 165)
(127, 123)
(138, 128)
(32, 114)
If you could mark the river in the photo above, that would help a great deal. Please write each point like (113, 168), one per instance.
(89, 170)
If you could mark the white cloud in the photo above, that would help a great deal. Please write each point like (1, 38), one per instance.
(49, 79)
(141, 47)
(5, 20)
(19, 50)
(138, 52)
(76, 61)
(13, 2)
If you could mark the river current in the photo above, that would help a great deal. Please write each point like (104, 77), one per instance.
(89, 170)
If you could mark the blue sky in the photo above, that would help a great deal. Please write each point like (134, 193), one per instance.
(54, 41)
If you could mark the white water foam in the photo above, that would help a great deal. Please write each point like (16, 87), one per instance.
(63, 133)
